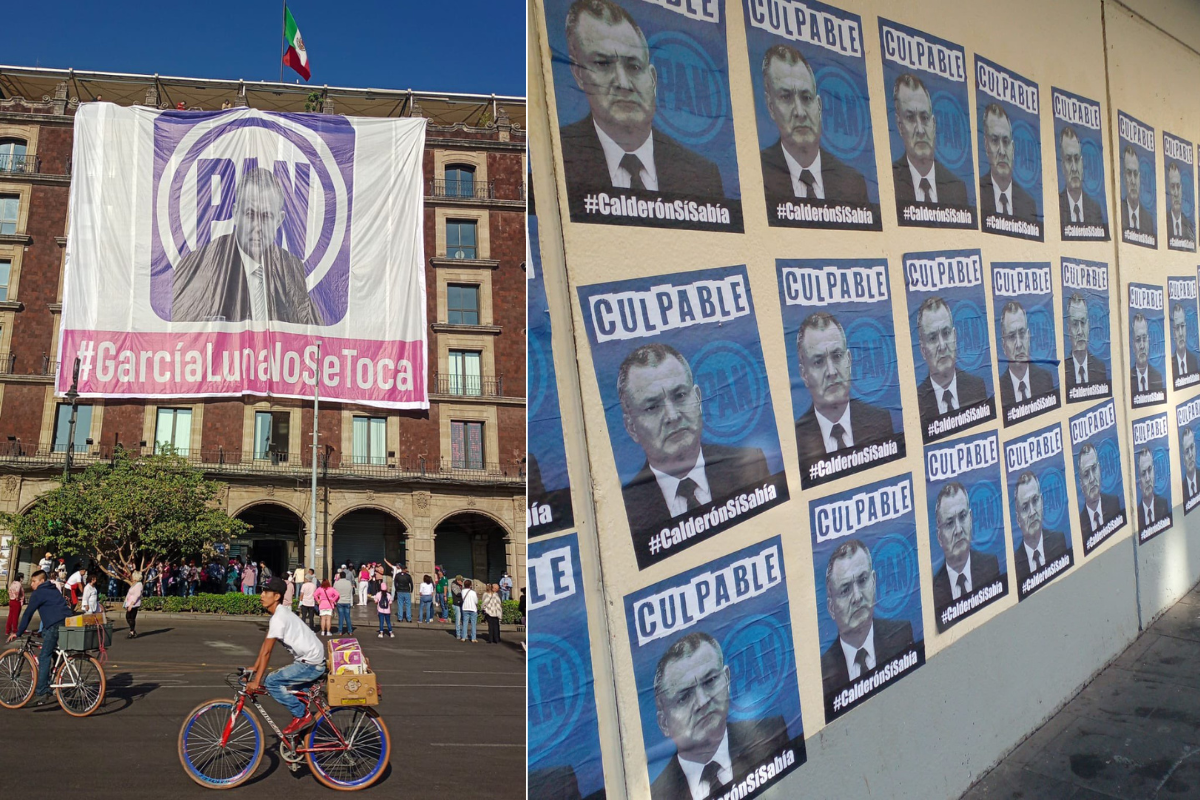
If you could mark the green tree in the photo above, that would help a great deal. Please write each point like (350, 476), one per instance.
(129, 513)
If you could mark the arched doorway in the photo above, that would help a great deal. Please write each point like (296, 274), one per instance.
(369, 534)
(276, 537)
(471, 545)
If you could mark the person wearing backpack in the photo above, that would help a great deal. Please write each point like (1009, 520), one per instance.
(383, 605)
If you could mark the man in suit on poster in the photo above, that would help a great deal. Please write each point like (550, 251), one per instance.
(835, 421)
(1038, 546)
(918, 176)
(1075, 206)
(1151, 506)
(617, 146)
(1191, 481)
(1022, 379)
(1134, 215)
(998, 192)
(1081, 366)
(947, 388)
(1098, 508)
(660, 402)
(691, 699)
(1178, 225)
(1183, 361)
(796, 166)
(864, 641)
(966, 569)
(1143, 377)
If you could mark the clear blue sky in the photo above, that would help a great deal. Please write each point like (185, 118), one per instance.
(429, 45)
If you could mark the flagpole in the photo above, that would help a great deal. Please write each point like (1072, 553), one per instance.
(283, 22)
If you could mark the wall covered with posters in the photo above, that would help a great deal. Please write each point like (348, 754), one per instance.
(837, 474)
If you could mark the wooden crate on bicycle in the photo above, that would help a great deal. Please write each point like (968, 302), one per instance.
(351, 682)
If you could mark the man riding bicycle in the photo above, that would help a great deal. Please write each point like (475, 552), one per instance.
(53, 609)
(304, 646)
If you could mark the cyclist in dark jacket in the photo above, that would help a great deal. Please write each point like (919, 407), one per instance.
(53, 609)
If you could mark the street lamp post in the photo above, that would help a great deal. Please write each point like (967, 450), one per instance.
(73, 396)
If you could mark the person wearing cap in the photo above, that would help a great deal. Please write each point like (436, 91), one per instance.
(47, 563)
(301, 642)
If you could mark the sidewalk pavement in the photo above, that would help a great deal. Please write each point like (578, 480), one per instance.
(1133, 732)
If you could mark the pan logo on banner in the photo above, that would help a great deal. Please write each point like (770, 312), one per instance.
(1152, 466)
(1079, 140)
(929, 128)
(1010, 152)
(688, 405)
(723, 629)
(1096, 448)
(1139, 220)
(1186, 416)
(644, 113)
(966, 526)
(1024, 297)
(869, 605)
(1088, 347)
(814, 115)
(255, 242)
(947, 314)
(564, 740)
(1185, 338)
(837, 321)
(1147, 348)
(1037, 486)
(548, 487)
(1179, 168)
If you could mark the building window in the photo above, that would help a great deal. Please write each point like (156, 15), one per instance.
(462, 304)
(460, 238)
(9, 210)
(62, 427)
(271, 435)
(173, 430)
(465, 377)
(460, 181)
(5, 273)
(370, 440)
(466, 445)
(12, 155)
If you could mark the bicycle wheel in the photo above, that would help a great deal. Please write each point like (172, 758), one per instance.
(200, 751)
(18, 678)
(361, 761)
(80, 684)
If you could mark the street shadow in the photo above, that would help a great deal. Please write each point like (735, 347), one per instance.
(121, 692)
(271, 756)
(155, 632)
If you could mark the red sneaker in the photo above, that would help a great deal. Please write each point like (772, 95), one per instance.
(298, 724)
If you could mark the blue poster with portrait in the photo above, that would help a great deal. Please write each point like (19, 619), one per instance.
(644, 113)
(548, 486)
(1087, 334)
(1008, 109)
(1187, 422)
(1038, 507)
(809, 74)
(714, 663)
(1152, 471)
(868, 587)
(564, 740)
(947, 315)
(841, 346)
(1100, 490)
(1026, 342)
(1185, 339)
(968, 553)
(1147, 345)
(1179, 166)
(1139, 198)
(688, 406)
(929, 128)
(1079, 143)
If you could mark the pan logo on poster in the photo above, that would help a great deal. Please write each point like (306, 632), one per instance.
(1185, 364)
(1097, 452)
(644, 113)
(1179, 169)
(1152, 460)
(1085, 325)
(1078, 138)
(1024, 298)
(814, 115)
(1010, 152)
(1139, 220)
(1185, 420)
(1038, 492)
(1147, 345)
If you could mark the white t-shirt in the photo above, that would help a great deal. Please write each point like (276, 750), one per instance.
(91, 599)
(470, 600)
(297, 637)
(75, 579)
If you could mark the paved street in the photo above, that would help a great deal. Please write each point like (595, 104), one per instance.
(455, 712)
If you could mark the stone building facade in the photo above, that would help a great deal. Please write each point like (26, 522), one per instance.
(442, 487)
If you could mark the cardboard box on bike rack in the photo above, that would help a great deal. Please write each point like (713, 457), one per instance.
(353, 690)
(84, 620)
(84, 638)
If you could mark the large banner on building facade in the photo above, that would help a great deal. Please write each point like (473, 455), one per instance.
(1079, 142)
(1139, 200)
(1152, 468)
(1087, 353)
(1096, 448)
(1008, 109)
(564, 741)
(809, 73)
(715, 669)
(208, 253)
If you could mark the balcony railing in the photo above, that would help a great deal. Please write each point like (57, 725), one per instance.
(11, 163)
(49, 366)
(473, 190)
(469, 385)
(8, 363)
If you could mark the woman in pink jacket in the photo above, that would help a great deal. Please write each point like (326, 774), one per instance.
(326, 597)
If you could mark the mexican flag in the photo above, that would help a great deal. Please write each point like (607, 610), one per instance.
(296, 56)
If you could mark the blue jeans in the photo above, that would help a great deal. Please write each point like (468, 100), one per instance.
(46, 659)
(505, 594)
(344, 625)
(403, 607)
(469, 618)
(295, 674)
(247, 590)
(426, 609)
(385, 621)
(457, 613)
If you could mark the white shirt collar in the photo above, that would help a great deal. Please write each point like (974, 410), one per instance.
(1006, 193)
(916, 178)
(613, 153)
(851, 652)
(1176, 221)
(1142, 375)
(256, 282)
(1133, 214)
(827, 425)
(1147, 511)
(1080, 367)
(938, 390)
(953, 574)
(1091, 512)
(794, 168)
(1076, 215)
(1191, 482)
(1016, 382)
(1040, 550)
(669, 486)
(692, 769)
